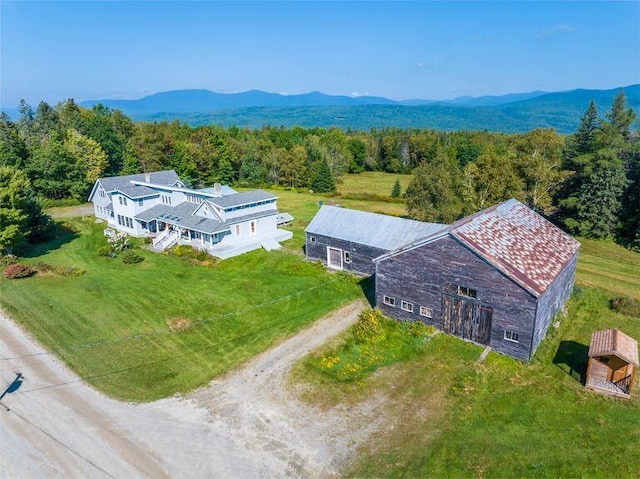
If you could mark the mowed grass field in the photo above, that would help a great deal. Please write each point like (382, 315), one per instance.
(445, 415)
(111, 325)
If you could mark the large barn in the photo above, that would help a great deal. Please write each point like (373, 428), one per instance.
(349, 240)
(497, 277)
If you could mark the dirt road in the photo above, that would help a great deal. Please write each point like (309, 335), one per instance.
(244, 425)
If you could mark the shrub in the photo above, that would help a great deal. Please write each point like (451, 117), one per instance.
(626, 305)
(369, 328)
(105, 251)
(131, 257)
(7, 259)
(17, 270)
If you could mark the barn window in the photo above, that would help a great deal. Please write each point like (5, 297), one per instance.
(347, 257)
(511, 336)
(406, 306)
(426, 312)
(312, 239)
(470, 293)
(389, 301)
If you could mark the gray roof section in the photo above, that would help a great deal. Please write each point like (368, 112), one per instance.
(252, 216)
(371, 229)
(239, 199)
(166, 177)
(137, 191)
(226, 190)
(182, 215)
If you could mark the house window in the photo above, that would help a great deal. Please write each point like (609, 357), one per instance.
(124, 200)
(120, 220)
(141, 202)
(511, 336)
(347, 257)
(312, 239)
(237, 230)
(426, 312)
(468, 292)
(120, 199)
(253, 227)
(389, 301)
(406, 306)
(102, 193)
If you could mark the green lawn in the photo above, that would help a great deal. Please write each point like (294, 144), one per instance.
(236, 308)
(444, 415)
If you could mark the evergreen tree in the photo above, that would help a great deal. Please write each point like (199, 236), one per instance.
(620, 117)
(584, 139)
(600, 195)
(396, 191)
(324, 181)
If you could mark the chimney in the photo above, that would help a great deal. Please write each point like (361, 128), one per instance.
(217, 189)
(147, 177)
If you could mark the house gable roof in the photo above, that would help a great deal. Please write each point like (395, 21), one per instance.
(515, 240)
(111, 183)
(613, 342)
(240, 199)
(371, 229)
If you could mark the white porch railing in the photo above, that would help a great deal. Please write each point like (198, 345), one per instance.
(166, 239)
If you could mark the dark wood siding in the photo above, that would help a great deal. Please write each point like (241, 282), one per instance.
(422, 275)
(361, 255)
(553, 300)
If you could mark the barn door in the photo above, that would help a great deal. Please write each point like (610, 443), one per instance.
(466, 319)
(334, 258)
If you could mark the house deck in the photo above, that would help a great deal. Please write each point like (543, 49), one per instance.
(226, 250)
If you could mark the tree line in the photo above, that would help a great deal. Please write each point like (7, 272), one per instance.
(586, 182)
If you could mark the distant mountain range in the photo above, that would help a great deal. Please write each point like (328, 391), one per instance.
(511, 113)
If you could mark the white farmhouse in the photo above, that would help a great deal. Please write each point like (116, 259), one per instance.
(219, 220)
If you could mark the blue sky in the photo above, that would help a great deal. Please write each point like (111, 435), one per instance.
(431, 50)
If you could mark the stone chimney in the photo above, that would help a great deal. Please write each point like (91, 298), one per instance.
(217, 189)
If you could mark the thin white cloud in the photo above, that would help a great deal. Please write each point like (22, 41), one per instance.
(360, 93)
(420, 64)
(550, 32)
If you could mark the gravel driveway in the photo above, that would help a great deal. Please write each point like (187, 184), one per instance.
(247, 424)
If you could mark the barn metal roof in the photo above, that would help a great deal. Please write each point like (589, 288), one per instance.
(516, 240)
(613, 342)
(371, 229)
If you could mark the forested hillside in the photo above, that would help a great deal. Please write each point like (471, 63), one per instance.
(586, 182)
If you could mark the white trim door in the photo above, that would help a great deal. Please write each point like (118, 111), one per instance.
(334, 258)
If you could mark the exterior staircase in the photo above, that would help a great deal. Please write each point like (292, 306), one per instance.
(166, 239)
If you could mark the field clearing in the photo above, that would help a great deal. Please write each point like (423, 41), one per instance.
(372, 182)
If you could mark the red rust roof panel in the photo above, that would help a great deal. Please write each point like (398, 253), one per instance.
(519, 242)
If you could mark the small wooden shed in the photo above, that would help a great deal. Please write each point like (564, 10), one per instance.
(613, 363)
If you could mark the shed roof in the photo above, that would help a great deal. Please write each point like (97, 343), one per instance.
(613, 342)
(516, 240)
(371, 229)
